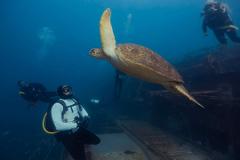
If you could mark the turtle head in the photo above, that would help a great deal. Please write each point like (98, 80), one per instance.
(97, 53)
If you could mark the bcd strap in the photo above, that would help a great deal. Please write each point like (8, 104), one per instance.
(65, 107)
(47, 119)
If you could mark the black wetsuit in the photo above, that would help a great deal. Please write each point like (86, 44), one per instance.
(218, 20)
(118, 83)
(34, 92)
(75, 142)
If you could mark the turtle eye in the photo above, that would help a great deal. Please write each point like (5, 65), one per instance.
(92, 52)
(95, 51)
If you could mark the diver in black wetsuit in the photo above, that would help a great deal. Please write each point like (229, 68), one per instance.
(217, 18)
(118, 83)
(34, 92)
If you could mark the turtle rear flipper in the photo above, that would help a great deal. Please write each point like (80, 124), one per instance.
(182, 90)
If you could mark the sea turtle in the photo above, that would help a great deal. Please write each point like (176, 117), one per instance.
(138, 61)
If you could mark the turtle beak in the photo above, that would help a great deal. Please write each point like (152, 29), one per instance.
(97, 53)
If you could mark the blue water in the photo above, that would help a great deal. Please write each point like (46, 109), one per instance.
(169, 27)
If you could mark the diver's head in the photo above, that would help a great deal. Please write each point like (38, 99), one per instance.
(22, 83)
(97, 53)
(210, 7)
(65, 91)
(208, 2)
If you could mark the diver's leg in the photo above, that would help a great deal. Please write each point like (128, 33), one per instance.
(120, 87)
(81, 151)
(48, 97)
(86, 137)
(232, 34)
(220, 36)
(51, 94)
(75, 149)
(118, 84)
(116, 88)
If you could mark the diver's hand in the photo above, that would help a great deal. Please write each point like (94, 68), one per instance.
(78, 121)
(82, 123)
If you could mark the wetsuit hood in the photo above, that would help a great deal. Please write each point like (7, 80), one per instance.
(65, 92)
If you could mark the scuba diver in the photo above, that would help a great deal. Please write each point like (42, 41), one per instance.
(34, 92)
(67, 120)
(217, 18)
(118, 83)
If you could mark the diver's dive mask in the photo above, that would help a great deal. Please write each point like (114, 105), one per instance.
(65, 91)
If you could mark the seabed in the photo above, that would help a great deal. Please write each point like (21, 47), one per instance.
(142, 141)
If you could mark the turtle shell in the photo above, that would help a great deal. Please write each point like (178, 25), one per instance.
(144, 63)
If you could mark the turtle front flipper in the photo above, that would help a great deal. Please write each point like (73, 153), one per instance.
(107, 35)
(182, 90)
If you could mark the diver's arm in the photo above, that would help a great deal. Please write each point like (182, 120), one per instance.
(204, 26)
(56, 113)
(38, 87)
(83, 112)
(51, 94)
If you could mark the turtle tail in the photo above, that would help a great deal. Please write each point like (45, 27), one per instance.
(182, 90)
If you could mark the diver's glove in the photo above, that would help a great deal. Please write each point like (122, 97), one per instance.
(82, 122)
(78, 121)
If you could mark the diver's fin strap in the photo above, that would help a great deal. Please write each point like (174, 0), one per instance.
(229, 27)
